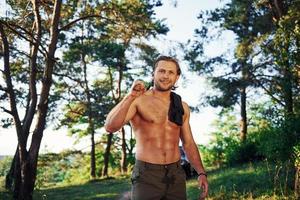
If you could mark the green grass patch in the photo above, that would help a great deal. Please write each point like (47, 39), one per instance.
(102, 189)
(108, 189)
(246, 182)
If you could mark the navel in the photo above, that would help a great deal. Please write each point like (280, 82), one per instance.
(165, 157)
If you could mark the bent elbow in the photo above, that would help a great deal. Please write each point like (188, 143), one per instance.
(110, 129)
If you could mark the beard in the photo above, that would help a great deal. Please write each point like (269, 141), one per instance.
(159, 87)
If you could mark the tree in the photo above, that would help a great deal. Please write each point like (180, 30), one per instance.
(266, 55)
(240, 18)
(27, 160)
(80, 88)
(102, 46)
(281, 48)
(38, 24)
(134, 22)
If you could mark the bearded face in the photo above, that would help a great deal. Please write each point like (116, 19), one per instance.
(165, 75)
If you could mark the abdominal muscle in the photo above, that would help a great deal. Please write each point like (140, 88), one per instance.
(156, 142)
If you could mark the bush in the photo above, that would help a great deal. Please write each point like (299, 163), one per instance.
(277, 143)
(229, 150)
(5, 165)
(244, 152)
(274, 142)
(59, 168)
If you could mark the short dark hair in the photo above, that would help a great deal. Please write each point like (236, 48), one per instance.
(167, 58)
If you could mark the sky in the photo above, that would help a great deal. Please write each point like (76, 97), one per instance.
(181, 20)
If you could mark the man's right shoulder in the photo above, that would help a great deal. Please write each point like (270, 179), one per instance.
(144, 97)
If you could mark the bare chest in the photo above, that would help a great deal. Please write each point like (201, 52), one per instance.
(153, 111)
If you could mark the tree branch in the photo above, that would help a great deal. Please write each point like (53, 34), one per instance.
(67, 26)
(11, 27)
(267, 91)
(3, 89)
(65, 75)
(10, 88)
(47, 81)
(32, 101)
(7, 111)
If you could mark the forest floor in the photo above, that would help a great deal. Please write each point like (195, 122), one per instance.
(245, 182)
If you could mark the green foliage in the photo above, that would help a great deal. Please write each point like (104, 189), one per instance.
(229, 150)
(266, 55)
(70, 167)
(133, 19)
(229, 89)
(55, 168)
(243, 152)
(248, 181)
(276, 142)
(296, 155)
(5, 165)
(269, 137)
(66, 168)
(279, 143)
(261, 181)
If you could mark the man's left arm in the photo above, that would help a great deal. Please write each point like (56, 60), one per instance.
(192, 151)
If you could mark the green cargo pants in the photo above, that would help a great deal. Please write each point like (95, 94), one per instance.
(158, 182)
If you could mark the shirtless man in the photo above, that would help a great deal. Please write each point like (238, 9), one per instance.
(157, 173)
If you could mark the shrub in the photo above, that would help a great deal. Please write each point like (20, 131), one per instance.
(5, 165)
(277, 143)
(229, 150)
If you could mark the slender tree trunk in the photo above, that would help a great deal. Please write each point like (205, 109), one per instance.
(107, 154)
(91, 127)
(28, 173)
(131, 143)
(13, 111)
(10, 176)
(93, 154)
(29, 158)
(297, 182)
(288, 91)
(124, 154)
(116, 98)
(13, 177)
(243, 123)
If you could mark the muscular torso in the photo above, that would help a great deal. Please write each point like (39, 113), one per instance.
(157, 138)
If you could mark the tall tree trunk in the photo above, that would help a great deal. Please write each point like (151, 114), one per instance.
(131, 143)
(243, 123)
(10, 176)
(287, 86)
(107, 154)
(28, 173)
(93, 154)
(13, 111)
(91, 127)
(124, 154)
(297, 182)
(29, 159)
(116, 98)
(13, 177)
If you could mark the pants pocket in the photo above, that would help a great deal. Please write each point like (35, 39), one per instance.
(135, 175)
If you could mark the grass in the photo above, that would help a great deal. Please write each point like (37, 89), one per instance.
(245, 182)
(99, 189)
(102, 189)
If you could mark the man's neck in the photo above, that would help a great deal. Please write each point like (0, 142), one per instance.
(165, 95)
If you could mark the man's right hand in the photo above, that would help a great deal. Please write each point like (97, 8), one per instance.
(137, 88)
